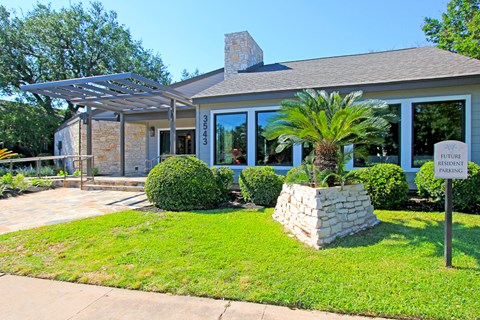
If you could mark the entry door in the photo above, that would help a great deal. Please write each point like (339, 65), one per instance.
(185, 142)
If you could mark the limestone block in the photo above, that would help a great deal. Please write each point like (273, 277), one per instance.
(336, 228)
(349, 205)
(347, 224)
(324, 232)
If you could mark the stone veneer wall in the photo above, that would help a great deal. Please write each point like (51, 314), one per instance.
(317, 216)
(106, 145)
(241, 52)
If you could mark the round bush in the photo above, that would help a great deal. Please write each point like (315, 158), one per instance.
(260, 185)
(224, 179)
(428, 186)
(182, 183)
(386, 185)
(466, 197)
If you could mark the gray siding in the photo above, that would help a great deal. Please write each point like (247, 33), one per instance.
(472, 90)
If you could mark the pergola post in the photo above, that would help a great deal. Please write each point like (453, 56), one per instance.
(89, 139)
(122, 144)
(173, 131)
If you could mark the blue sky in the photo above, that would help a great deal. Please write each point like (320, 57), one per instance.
(190, 34)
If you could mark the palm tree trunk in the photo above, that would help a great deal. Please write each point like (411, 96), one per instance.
(326, 158)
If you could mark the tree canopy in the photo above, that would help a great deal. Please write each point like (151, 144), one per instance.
(26, 129)
(47, 45)
(458, 30)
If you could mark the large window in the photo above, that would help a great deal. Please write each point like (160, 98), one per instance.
(266, 154)
(389, 152)
(231, 139)
(434, 122)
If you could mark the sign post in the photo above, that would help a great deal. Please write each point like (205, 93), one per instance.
(451, 160)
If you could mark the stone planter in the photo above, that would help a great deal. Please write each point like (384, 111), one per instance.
(317, 216)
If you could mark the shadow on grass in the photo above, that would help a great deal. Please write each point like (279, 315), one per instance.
(418, 232)
(227, 210)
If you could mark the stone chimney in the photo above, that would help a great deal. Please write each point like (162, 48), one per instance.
(241, 52)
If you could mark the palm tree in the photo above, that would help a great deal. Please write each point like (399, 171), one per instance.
(329, 122)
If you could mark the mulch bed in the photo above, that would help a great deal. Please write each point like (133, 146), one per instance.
(414, 203)
(236, 202)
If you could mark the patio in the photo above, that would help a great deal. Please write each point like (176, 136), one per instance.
(63, 205)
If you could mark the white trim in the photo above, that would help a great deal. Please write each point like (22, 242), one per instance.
(197, 130)
(251, 134)
(176, 129)
(406, 127)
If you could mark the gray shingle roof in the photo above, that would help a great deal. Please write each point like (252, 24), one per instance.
(372, 68)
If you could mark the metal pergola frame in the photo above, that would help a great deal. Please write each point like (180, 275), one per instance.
(122, 93)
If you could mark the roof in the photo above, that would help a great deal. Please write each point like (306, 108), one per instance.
(192, 86)
(121, 92)
(412, 64)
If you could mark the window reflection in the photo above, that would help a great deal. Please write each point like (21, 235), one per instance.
(266, 154)
(231, 139)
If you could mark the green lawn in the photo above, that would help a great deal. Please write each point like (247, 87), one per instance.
(394, 270)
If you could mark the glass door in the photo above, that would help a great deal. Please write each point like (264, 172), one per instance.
(185, 142)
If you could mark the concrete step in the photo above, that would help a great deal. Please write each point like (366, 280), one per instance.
(130, 188)
(118, 182)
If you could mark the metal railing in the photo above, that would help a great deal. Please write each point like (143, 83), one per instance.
(150, 163)
(38, 164)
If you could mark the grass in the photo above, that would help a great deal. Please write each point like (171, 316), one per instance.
(394, 270)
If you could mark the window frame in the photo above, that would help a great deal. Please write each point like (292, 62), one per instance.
(463, 119)
(159, 130)
(251, 145)
(399, 137)
(257, 112)
(407, 126)
(214, 136)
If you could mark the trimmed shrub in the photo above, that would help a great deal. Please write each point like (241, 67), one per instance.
(224, 179)
(466, 196)
(260, 185)
(385, 183)
(182, 183)
(428, 186)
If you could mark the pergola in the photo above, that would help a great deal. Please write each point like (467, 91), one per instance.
(122, 93)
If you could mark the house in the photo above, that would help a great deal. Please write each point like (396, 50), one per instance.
(435, 93)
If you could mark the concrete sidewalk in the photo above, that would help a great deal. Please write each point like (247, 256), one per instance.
(28, 298)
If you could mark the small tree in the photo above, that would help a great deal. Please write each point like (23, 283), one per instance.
(329, 122)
